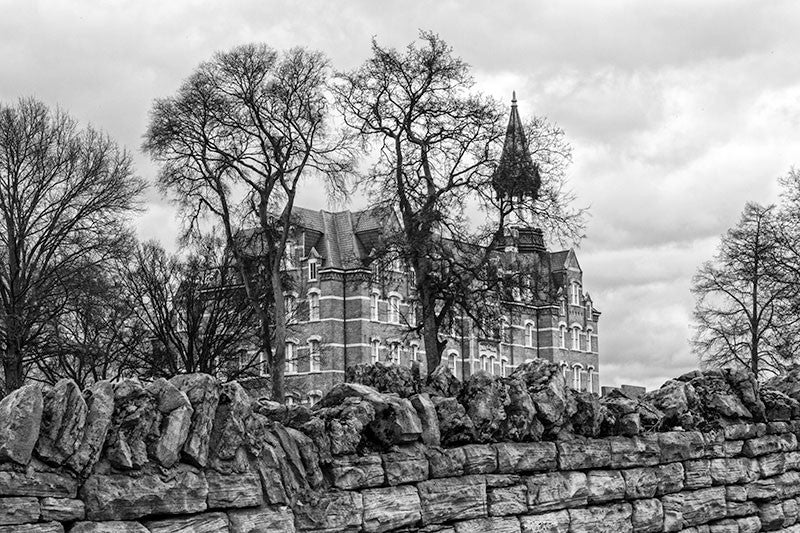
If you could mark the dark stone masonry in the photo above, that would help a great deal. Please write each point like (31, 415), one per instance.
(712, 452)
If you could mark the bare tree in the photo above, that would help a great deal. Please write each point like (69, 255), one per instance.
(193, 311)
(235, 143)
(438, 144)
(64, 193)
(741, 296)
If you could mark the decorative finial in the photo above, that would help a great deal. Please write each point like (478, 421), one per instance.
(513, 97)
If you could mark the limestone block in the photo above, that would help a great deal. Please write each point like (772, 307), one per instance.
(19, 510)
(735, 509)
(750, 524)
(670, 478)
(555, 522)
(511, 500)
(525, 457)
(762, 445)
(771, 515)
(724, 526)
(790, 510)
(772, 464)
(740, 431)
(122, 497)
(792, 460)
(391, 508)
(203, 393)
(63, 419)
(445, 462)
(42, 527)
(328, 511)
(788, 484)
(448, 499)
(493, 524)
(605, 485)
(730, 471)
(681, 445)
(233, 490)
(732, 448)
(261, 520)
(113, 526)
(584, 454)
(641, 482)
(763, 489)
(20, 417)
(62, 509)
(556, 490)
(647, 516)
(34, 483)
(99, 409)
(693, 508)
(641, 450)
(406, 465)
(614, 518)
(480, 459)
(201, 523)
(696, 474)
(350, 472)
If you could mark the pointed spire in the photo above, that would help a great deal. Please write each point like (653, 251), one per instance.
(516, 174)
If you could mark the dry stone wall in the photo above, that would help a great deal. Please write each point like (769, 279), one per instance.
(708, 452)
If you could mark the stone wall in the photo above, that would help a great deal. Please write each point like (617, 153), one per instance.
(708, 452)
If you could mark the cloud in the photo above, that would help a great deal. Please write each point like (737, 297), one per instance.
(679, 112)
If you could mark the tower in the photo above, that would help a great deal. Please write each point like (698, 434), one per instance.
(516, 176)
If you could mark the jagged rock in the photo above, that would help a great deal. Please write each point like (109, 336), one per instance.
(62, 509)
(292, 416)
(787, 382)
(426, 412)
(202, 523)
(779, 406)
(716, 399)
(63, 420)
(624, 419)
(548, 391)
(442, 382)
(174, 432)
(675, 400)
(745, 385)
(134, 425)
(309, 455)
(395, 421)
(228, 432)
(113, 526)
(455, 426)
(19, 510)
(344, 425)
(485, 399)
(124, 497)
(100, 407)
(169, 397)
(20, 417)
(203, 393)
(394, 379)
(589, 414)
(521, 423)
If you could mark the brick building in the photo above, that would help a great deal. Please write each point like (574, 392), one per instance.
(346, 310)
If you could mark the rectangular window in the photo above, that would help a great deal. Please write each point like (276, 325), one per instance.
(291, 358)
(414, 355)
(576, 294)
(312, 270)
(313, 356)
(375, 354)
(576, 342)
(411, 315)
(373, 307)
(394, 310)
(313, 307)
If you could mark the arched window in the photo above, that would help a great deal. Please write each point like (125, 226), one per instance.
(529, 331)
(375, 354)
(491, 365)
(588, 310)
(503, 366)
(312, 270)
(289, 302)
(589, 379)
(563, 310)
(452, 361)
(394, 353)
(373, 306)
(563, 369)
(576, 377)
(291, 358)
(394, 309)
(411, 315)
(562, 339)
(484, 360)
(414, 355)
(576, 338)
(313, 356)
(589, 340)
(313, 306)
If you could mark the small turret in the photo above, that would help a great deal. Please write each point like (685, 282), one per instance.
(516, 176)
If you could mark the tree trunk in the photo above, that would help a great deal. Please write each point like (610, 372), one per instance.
(278, 361)
(12, 366)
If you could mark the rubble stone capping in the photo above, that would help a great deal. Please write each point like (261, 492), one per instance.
(711, 451)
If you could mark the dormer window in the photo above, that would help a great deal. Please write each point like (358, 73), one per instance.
(312, 270)
(576, 293)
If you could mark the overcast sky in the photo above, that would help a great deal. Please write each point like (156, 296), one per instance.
(678, 113)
